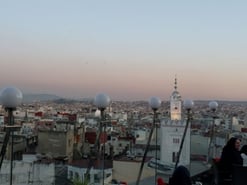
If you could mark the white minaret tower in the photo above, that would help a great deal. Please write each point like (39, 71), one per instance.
(175, 104)
(172, 132)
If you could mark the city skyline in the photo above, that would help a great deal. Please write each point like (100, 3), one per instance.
(130, 50)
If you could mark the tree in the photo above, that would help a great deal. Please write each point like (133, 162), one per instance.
(79, 182)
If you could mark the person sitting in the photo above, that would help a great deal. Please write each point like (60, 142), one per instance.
(230, 156)
(180, 176)
(243, 154)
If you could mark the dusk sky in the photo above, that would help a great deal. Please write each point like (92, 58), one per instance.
(129, 49)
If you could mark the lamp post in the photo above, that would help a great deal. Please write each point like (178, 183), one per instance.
(213, 105)
(11, 97)
(101, 101)
(154, 103)
(188, 104)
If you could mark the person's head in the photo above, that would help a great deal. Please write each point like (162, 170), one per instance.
(234, 143)
(180, 176)
(244, 149)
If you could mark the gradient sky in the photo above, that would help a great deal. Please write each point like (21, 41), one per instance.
(129, 49)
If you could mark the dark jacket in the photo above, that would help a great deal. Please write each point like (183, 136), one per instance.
(230, 156)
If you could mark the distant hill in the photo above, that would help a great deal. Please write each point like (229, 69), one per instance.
(27, 98)
(232, 102)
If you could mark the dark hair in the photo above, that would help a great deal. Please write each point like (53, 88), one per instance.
(231, 142)
(244, 149)
(230, 155)
(180, 176)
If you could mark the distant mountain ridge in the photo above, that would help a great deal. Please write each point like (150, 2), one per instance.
(39, 97)
(32, 97)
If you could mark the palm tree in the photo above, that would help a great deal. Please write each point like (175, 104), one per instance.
(79, 182)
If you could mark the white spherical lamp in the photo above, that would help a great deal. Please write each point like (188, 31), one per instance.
(154, 103)
(11, 97)
(188, 104)
(101, 101)
(213, 105)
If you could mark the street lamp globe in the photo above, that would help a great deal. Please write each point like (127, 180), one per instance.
(154, 103)
(188, 104)
(101, 101)
(11, 97)
(213, 105)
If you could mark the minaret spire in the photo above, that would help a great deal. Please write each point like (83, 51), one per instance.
(175, 103)
(175, 83)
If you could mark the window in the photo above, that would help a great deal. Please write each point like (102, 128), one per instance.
(96, 178)
(174, 156)
(69, 142)
(76, 175)
(176, 141)
(70, 175)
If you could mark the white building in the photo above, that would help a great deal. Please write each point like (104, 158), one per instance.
(97, 172)
(28, 173)
(172, 132)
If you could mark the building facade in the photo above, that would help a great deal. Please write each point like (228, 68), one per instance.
(172, 131)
